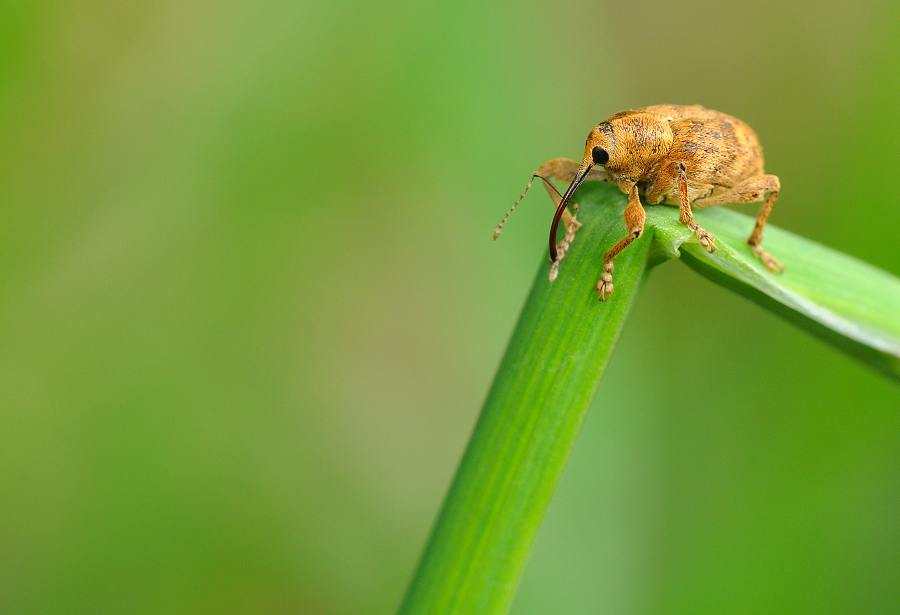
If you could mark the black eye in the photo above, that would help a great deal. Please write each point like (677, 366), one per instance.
(600, 155)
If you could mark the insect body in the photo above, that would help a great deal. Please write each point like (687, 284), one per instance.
(672, 154)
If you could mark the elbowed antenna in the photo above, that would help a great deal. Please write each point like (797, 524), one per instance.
(527, 187)
(579, 177)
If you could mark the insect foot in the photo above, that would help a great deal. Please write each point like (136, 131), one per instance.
(706, 240)
(554, 270)
(604, 284)
(768, 260)
(563, 246)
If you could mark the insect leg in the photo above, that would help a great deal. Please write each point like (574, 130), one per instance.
(634, 222)
(687, 218)
(748, 191)
(565, 242)
(756, 236)
(564, 170)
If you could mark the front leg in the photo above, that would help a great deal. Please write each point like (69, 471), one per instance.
(687, 218)
(635, 216)
(564, 170)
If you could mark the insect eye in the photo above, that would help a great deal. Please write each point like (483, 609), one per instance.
(600, 155)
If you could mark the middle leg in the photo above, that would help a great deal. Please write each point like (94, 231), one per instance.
(687, 217)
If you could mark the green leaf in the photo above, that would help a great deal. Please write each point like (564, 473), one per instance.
(540, 396)
(560, 349)
(844, 301)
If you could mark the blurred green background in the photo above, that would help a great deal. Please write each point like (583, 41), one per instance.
(250, 307)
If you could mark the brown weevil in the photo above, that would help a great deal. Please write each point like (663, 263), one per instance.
(678, 155)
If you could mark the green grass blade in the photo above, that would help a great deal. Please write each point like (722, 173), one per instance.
(560, 349)
(540, 396)
(846, 302)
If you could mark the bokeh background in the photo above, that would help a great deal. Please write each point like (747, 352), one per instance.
(249, 304)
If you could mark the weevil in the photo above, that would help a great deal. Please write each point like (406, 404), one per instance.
(686, 156)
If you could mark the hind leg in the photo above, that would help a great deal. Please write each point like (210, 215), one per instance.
(749, 191)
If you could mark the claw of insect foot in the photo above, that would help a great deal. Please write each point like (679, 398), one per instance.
(554, 270)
